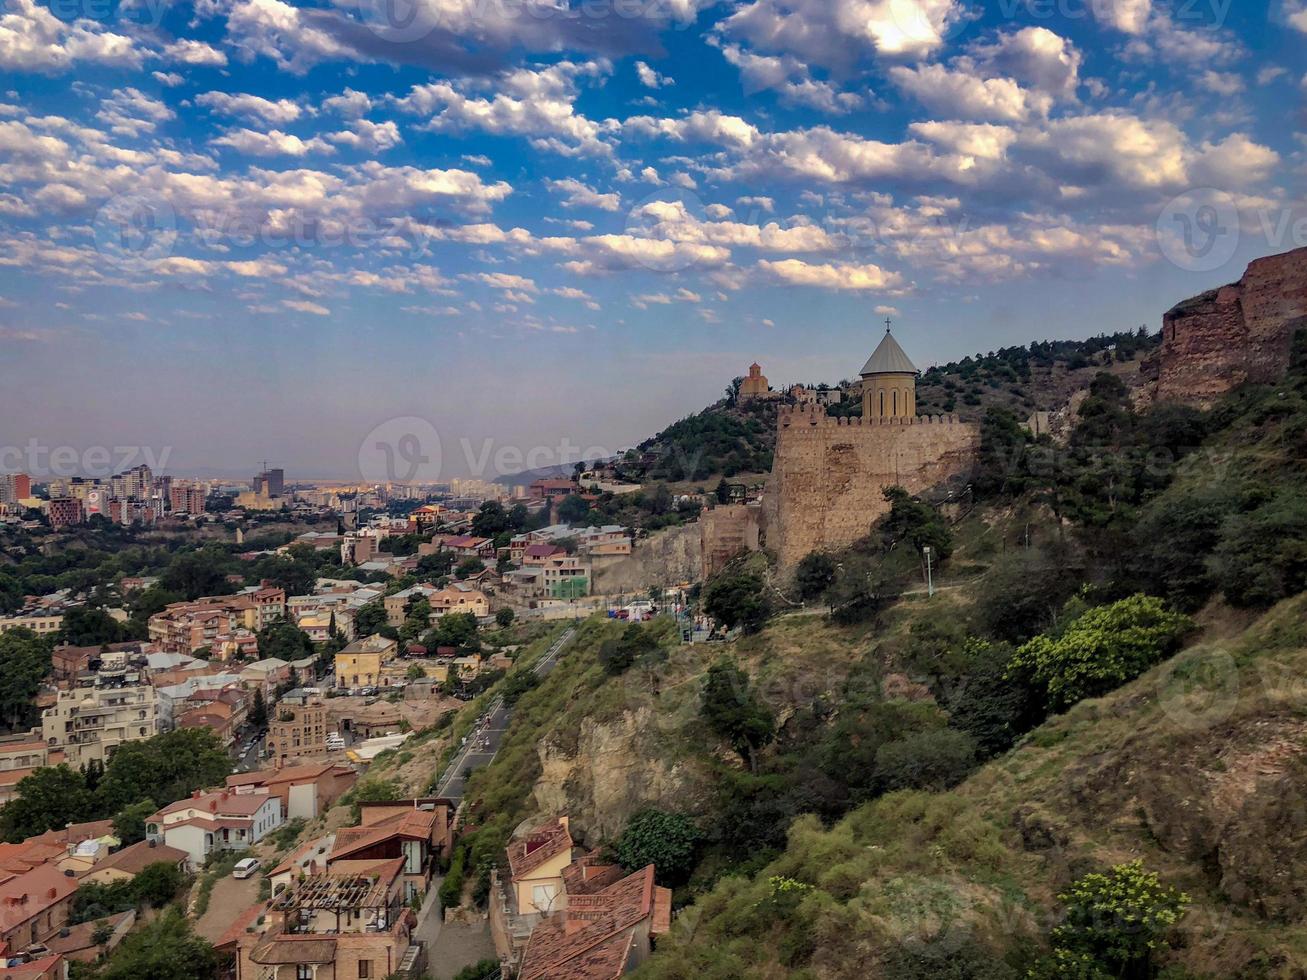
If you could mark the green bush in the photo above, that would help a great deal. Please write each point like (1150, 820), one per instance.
(928, 760)
(668, 841)
(1102, 649)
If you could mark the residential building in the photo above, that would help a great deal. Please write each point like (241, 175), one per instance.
(76, 944)
(306, 792)
(266, 675)
(126, 864)
(297, 728)
(64, 512)
(184, 627)
(418, 831)
(348, 923)
(34, 905)
(41, 625)
(466, 545)
(544, 489)
(359, 664)
(103, 709)
(20, 756)
(536, 863)
(459, 597)
(219, 820)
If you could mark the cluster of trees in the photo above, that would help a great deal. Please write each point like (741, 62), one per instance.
(154, 885)
(140, 777)
(635, 645)
(719, 440)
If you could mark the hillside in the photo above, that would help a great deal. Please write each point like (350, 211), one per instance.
(964, 883)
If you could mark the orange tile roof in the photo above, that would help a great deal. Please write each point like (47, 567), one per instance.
(412, 824)
(25, 896)
(543, 843)
(139, 856)
(591, 940)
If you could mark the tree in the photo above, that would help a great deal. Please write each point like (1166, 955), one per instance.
(635, 643)
(504, 617)
(469, 567)
(24, 663)
(197, 573)
(284, 640)
(735, 598)
(455, 630)
(1119, 918)
(572, 509)
(1102, 648)
(129, 822)
(668, 841)
(417, 618)
(163, 768)
(48, 799)
(370, 618)
(732, 712)
(157, 884)
(815, 574)
(85, 626)
(165, 949)
(915, 521)
(258, 713)
(490, 520)
(723, 491)
(932, 760)
(102, 934)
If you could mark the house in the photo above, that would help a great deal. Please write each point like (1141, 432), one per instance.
(605, 929)
(298, 727)
(466, 545)
(52, 967)
(305, 792)
(34, 905)
(347, 923)
(219, 820)
(459, 597)
(536, 864)
(77, 944)
(19, 758)
(126, 864)
(359, 664)
(266, 674)
(416, 831)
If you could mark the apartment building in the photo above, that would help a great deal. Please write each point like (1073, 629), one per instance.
(184, 627)
(359, 664)
(103, 709)
(298, 727)
(41, 625)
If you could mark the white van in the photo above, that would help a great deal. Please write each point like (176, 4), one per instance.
(245, 868)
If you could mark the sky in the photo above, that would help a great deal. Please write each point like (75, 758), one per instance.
(475, 235)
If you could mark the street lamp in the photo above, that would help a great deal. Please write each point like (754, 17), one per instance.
(930, 580)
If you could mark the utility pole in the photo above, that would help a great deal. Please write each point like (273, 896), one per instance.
(930, 578)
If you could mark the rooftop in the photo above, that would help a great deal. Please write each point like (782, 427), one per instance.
(888, 358)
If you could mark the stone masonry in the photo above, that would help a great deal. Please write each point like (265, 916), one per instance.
(1238, 333)
(829, 474)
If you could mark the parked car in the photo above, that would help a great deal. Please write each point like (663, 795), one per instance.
(245, 868)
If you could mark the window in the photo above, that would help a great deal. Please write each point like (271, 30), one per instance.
(365, 969)
(303, 971)
(882, 403)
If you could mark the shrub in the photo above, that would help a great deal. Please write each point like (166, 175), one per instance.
(927, 760)
(1102, 649)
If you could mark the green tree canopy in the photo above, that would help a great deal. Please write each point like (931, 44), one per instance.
(1102, 648)
(24, 663)
(735, 598)
(47, 799)
(733, 712)
(165, 949)
(666, 840)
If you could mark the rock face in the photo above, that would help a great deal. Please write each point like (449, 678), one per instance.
(1238, 333)
(611, 771)
(664, 558)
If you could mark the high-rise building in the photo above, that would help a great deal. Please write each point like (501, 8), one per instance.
(15, 487)
(270, 482)
(65, 511)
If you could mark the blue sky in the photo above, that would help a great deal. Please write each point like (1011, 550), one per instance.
(245, 229)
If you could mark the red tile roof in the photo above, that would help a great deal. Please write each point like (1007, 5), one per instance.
(26, 896)
(136, 858)
(543, 843)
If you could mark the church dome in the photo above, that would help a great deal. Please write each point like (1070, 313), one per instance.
(888, 358)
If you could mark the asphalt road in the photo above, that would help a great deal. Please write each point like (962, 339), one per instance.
(484, 739)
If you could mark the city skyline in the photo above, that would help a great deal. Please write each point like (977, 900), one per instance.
(253, 229)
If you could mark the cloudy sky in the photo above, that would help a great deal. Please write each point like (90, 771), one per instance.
(233, 230)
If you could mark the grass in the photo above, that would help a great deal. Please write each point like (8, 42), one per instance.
(219, 865)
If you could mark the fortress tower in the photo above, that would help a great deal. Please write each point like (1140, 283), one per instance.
(889, 382)
(829, 474)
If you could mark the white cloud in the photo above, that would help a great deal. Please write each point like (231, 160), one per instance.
(350, 104)
(169, 78)
(130, 112)
(1127, 16)
(650, 78)
(1221, 83)
(790, 77)
(577, 195)
(270, 144)
(254, 108)
(34, 39)
(306, 306)
(363, 134)
(1036, 56)
(960, 95)
(838, 276)
(189, 52)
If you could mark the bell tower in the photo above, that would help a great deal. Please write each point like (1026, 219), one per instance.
(889, 382)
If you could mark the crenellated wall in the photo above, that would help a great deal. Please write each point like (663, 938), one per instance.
(829, 475)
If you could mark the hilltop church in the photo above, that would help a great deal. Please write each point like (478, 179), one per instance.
(829, 474)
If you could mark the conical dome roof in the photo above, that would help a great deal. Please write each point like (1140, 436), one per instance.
(888, 358)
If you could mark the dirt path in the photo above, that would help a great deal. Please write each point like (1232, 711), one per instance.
(230, 897)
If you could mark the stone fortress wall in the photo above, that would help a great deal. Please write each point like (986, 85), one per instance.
(829, 474)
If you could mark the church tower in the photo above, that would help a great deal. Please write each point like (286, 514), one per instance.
(889, 382)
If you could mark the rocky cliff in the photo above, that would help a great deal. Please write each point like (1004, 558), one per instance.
(1235, 334)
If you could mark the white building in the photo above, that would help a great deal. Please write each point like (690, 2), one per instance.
(207, 822)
